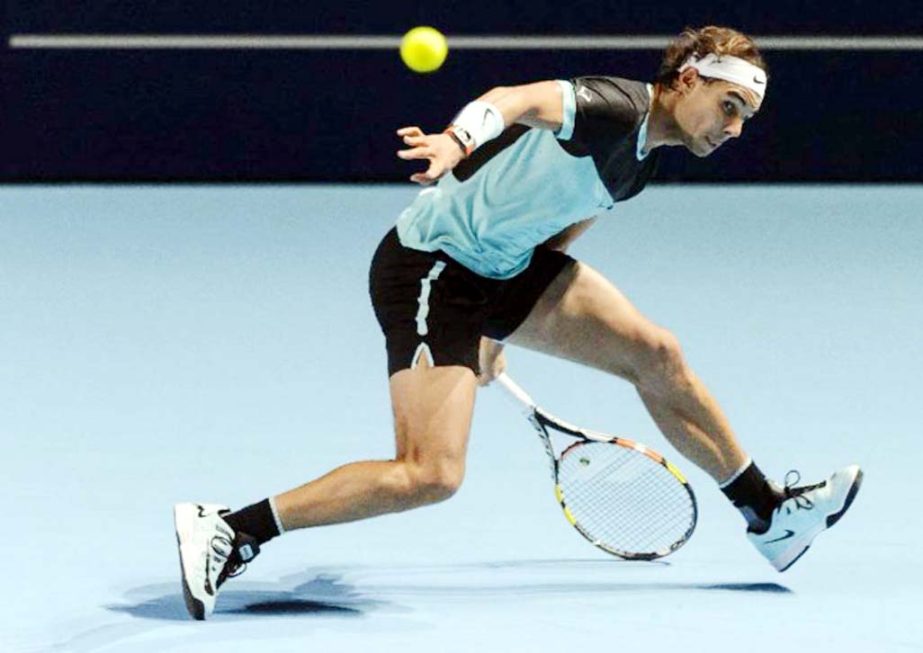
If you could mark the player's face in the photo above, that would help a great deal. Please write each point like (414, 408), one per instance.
(712, 113)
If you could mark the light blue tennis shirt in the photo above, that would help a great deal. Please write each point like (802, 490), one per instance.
(524, 194)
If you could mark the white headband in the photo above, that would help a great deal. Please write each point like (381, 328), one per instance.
(730, 69)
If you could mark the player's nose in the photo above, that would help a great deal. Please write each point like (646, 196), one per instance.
(733, 128)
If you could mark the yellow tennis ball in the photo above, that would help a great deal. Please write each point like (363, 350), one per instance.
(424, 49)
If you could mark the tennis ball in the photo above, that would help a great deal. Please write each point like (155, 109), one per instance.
(423, 49)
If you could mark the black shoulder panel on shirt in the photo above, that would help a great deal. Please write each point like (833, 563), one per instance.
(607, 120)
(608, 110)
(574, 148)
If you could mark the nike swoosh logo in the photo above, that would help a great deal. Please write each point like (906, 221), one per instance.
(758, 80)
(788, 533)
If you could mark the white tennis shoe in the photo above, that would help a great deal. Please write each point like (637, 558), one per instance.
(804, 514)
(210, 552)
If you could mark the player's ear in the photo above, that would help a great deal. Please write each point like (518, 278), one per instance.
(686, 80)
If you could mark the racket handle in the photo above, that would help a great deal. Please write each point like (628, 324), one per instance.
(518, 394)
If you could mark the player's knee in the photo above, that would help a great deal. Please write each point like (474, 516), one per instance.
(435, 481)
(662, 365)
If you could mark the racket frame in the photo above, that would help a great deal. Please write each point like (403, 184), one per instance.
(542, 419)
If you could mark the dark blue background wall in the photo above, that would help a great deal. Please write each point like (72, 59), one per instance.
(309, 115)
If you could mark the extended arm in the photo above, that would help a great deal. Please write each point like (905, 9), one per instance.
(536, 105)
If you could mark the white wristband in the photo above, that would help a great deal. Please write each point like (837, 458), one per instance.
(482, 120)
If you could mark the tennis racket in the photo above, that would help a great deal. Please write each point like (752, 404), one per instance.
(623, 497)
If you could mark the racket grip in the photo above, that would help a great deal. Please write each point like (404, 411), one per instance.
(518, 394)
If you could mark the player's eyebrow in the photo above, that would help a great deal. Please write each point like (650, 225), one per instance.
(743, 101)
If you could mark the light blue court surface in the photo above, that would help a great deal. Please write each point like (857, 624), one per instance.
(160, 344)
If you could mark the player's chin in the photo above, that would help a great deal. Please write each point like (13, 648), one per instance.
(702, 148)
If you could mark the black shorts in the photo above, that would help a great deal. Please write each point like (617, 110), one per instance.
(429, 305)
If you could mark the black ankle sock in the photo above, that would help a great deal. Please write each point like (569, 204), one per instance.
(754, 496)
(256, 520)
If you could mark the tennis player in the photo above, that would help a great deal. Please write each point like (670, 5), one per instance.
(477, 260)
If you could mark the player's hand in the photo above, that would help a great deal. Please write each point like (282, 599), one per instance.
(441, 150)
(492, 361)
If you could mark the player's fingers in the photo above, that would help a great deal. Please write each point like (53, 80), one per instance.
(415, 140)
(409, 131)
(435, 170)
(415, 153)
(487, 376)
(431, 174)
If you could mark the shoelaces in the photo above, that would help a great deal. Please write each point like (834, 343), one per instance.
(792, 478)
(224, 550)
(221, 548)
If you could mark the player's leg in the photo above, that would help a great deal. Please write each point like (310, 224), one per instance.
(417, 298)
(432, 410)
(584, 318)
(432, 413)
(428, 309)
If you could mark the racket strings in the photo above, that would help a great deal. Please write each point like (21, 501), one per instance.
(651, 527)
(638, 530)
(637, 511)
(623, 500)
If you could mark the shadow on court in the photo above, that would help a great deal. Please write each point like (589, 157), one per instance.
(353, 592)
(315, 595)
(322, 594)
(347, 594)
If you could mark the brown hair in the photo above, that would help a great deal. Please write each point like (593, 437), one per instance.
(719, 40)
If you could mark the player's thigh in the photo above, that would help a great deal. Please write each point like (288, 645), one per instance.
(432, 416)
(584, 318)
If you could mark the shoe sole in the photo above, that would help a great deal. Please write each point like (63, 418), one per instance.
(194, 606)
(830, 521)
(853, 491)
